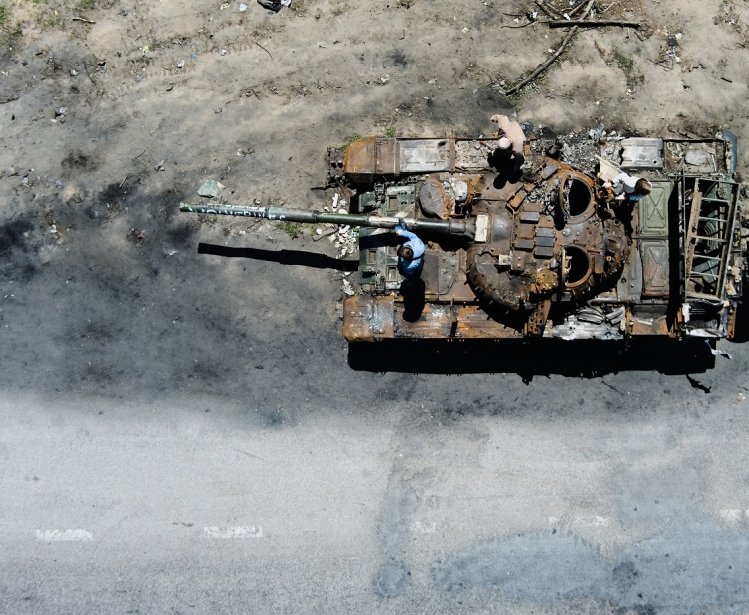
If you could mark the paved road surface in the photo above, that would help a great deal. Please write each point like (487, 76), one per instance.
(289, 482)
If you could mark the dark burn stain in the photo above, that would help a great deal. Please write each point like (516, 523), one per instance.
(113, 193)
(391, 579)
(397, 58)
(12, 235)
(624, 576)
(545, 567)
(78, 161)
(275, 419)
(269, 418)
(181, 235)
(489, 101)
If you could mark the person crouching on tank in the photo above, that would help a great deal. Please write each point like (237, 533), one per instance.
(410, 254)
(629, 188)
(507, 158)
(410, 265)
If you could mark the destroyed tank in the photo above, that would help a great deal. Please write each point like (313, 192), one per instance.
(548, 252)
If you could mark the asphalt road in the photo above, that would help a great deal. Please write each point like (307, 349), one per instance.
(274, 477)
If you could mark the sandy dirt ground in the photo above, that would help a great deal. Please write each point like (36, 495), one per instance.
(157, 97)
(112, 112)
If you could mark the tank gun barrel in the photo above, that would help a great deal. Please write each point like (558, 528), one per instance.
(464, 228)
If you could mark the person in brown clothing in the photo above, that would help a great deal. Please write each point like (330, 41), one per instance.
(507, 158)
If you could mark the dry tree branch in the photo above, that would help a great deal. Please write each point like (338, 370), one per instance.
(590, 23)
(545, 65)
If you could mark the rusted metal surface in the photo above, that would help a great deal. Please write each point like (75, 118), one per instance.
(658, 326)
(366, 319)
(369, 319)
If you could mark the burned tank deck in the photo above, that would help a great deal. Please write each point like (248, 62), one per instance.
(580, 238)
(561, 257)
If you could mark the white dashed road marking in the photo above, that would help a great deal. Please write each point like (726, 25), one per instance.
(64, 535)
(733, 515)
(238, 531)
(577, 521)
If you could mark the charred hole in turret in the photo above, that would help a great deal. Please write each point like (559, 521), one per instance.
(579, 266)
(579, 198)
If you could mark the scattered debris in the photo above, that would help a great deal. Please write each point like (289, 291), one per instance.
(137, 236)
(210, 188)
(274, 5)
(322, 233)
(265, 50)
(721, 353)
(84, 20)
(348, 290)
(242, 7)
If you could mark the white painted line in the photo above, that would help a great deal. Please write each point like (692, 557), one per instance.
(424, 527)
(595, 521)
(64, 535)
(578, 521)
(238, 531)
(731, 515)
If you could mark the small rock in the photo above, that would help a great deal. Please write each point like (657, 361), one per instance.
(210, 188)
(242, 7)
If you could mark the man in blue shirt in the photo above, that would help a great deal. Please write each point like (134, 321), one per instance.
(410, 253)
